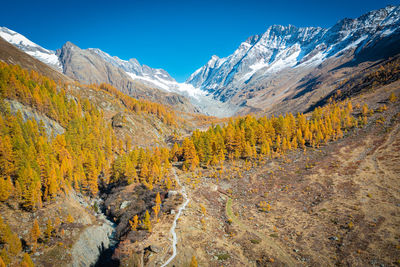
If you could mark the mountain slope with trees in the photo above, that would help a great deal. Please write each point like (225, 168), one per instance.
(93, 165)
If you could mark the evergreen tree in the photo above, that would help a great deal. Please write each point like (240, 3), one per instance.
(134, 222)
(91, 175)
(35, 232)
(6, 188)
(191, 159)
(7, 166)
(147, 222)
(49, 229)
(27, 261)
(392, 98)
(193, 262)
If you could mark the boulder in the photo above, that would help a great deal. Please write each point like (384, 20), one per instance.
(171, 193)
(124, 204)
(153, 248)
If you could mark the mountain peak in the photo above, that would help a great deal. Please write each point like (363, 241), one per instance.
(69, 45)
(290, 47)
(212, 60)
(134, 61)
(29, 47)
(253, 39)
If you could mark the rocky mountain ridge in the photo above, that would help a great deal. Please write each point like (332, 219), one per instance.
(287, 61)
(46, 56)
(267, 70)
(283, 47)
(94, 66)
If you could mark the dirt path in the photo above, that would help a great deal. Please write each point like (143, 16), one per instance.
(181, 208)
(341, 211)
(269, 242)
(384, 148)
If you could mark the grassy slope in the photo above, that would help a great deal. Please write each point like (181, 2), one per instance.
(336, 205)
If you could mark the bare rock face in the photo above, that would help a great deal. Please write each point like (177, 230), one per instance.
(153, 248)
(94, 238)
(89, 66)
(124, 204)
(51, 126)
(172, 193)
(92, 241)
(118, 120)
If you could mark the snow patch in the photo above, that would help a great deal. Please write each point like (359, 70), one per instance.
(46, 56)
(15, 38)
(388, 32)
(285, 62)
(169, 86)
(353, 44)
(147, 79)
(50, 59)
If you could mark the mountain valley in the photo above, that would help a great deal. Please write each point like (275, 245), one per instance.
(284, 153)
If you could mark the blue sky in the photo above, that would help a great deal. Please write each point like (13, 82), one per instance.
(178, 36)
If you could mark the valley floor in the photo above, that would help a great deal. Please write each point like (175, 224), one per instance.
(335, 205)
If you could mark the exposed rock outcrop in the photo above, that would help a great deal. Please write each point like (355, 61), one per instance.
(51, 126)
(88, 66)
(92, 241)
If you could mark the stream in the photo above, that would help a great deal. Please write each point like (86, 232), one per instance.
(172, 231)
(105, 257)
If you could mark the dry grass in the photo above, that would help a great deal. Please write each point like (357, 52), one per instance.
(342, 209)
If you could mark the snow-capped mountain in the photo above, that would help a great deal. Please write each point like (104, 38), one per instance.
(158, 78)
(46, 56)
(95, 66)
(273, 68)
(287, 47)
(155, 78)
